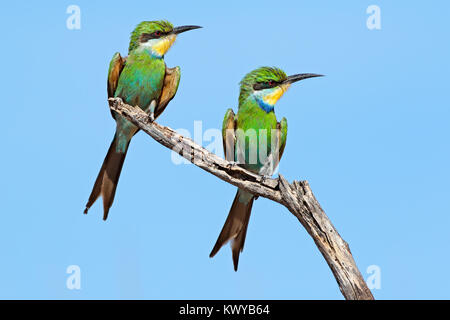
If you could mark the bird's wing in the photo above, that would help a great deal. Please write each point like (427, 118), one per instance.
(170, 87)
(115, 68)
(228, 134)
(281, 138)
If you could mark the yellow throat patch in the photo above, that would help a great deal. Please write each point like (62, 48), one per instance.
(275, 95)
(164, 44)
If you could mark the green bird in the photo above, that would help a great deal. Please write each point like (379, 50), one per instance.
(255, 140)
(140, 79)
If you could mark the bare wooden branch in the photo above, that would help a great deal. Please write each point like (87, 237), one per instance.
(296, 197)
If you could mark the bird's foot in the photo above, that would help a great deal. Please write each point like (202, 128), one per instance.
(231, 165)
(265, 177)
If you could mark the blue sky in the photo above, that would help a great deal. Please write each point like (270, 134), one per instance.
(372, 138)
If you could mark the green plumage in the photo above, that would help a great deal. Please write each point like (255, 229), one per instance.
(261, 74)
(254, 140)
(252, 129)
(255, 123)
(142, 79)
(140, 82)
(137, 80)
(252, 118)
(148, 27)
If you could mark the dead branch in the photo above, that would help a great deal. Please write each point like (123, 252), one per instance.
(297, 197)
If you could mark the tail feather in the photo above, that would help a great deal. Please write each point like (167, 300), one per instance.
(235, 227)
(107, 179)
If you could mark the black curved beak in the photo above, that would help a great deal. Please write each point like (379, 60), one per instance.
(182, 29)
(301, 76)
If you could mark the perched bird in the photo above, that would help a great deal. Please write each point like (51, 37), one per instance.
(254, 140)
(140, 79)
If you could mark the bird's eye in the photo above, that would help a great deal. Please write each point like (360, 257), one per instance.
(270, 82)
(157, 33)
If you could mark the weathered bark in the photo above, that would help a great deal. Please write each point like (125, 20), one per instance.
(296, 197)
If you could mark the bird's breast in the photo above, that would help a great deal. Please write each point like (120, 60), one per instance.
(256, 130)
(141, 82)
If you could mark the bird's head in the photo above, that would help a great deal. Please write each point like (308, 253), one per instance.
(156, 36)
(267, 85)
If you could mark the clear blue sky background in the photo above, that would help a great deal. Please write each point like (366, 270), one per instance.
(372, 138)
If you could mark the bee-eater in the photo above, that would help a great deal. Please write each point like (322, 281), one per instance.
(254, 140)
(140, 79)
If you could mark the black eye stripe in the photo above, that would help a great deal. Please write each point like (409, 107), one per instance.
(265, 85)
(147, 36)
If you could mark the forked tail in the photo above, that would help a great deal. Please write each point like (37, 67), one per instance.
(108, 177)
(235, 227)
